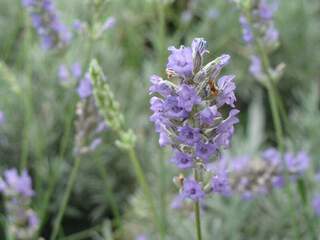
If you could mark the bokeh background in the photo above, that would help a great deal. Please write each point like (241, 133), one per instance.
(40, 115)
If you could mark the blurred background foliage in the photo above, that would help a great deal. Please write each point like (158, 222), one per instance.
(40, 113)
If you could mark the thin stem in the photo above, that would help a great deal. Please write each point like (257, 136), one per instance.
(197, 219)
(109, 195)
(65, 199)
(275, 100)
(145, 187)
(197, 211)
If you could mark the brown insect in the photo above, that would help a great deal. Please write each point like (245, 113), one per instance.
(213, 88)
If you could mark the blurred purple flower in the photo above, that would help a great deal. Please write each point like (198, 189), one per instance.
(85, 87)
(2, 118)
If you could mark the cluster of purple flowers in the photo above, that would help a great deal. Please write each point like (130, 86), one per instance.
(249, 176)
(72, 75)
(258, 25)
(53, 33)
(187, 111)
(17, 191)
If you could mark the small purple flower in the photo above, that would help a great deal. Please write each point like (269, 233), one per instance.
(220, 184)
(255, 67)
(180, 61)
(278, 181)
(316, 204)
(79, 26)
(159, 86)
(102, 126)
(182, 160)
(173, 108)
(225, 129)
(188, 97)
(247, 34)
(15, 184)
(272, 156)
(298, 163)
(205, 150)
(164, 139)
(109, 23)
(33, 221)
(85, 87)
(95, 143)
(208, 115)
(265, 11)
(272, 35)
(176, 203)
(226, 88)
(192, 190)
(188, 135)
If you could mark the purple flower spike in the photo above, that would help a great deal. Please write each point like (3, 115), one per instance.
(45, 20)
(186, 112)
(192, 190)
(180, 61)
(182, 160)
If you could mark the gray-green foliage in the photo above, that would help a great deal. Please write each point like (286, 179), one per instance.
(40, 117)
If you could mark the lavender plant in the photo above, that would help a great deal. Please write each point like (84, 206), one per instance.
(251, 176)
(187, 113)
(21, 221)
(45, 20)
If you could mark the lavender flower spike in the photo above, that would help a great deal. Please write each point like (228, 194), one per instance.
(22, 221)
(187, 113)
(45, 20)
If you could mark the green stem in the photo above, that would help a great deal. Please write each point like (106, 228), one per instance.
(109, 195)
(275, 100)
(197, 219)
(65, 199)
(197, 212)
(145, 187)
